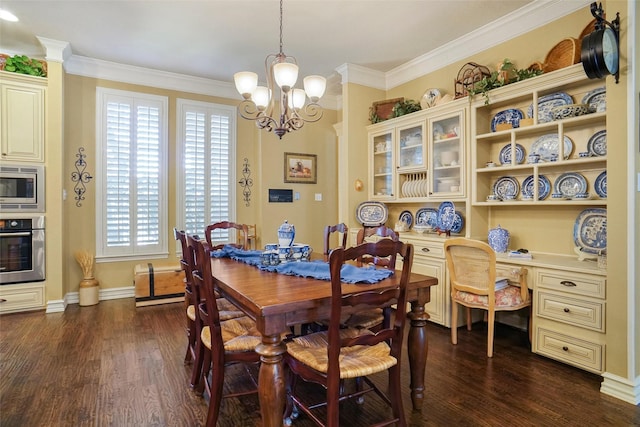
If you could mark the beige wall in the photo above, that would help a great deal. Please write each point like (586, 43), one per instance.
(264, 152)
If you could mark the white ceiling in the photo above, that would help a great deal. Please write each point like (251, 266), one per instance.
(214, 39)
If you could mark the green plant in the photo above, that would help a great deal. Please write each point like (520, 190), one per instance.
(24, 65)
(406, 107)
(506, 74)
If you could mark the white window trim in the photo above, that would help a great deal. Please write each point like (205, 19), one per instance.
(162, 251)
(181, 106)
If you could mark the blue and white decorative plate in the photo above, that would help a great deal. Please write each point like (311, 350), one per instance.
(596, 100)
(590, 230)
(427, 217)
(548, 145)
(569, 184)
(511, 116)
(600, 185)
(597, 144)
(506, 188)
(544, 187)
(458, 223)
(547, 103)
(372, 214)
(446, 216)
(407, 218)
(505, 154)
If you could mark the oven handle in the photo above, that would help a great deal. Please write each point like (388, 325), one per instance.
(20, 234)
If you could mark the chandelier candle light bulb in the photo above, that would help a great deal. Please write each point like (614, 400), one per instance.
(259, 102)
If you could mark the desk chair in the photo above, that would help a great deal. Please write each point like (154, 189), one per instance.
(472, 273)
(329, 357)
(242, 231)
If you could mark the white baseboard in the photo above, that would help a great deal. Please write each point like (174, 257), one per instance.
(56, 306)
(621, 388)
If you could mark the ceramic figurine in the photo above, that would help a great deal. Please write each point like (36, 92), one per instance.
(499, 239)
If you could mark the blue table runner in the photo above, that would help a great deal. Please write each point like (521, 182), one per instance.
(314, 269)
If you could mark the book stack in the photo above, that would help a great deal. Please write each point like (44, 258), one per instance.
(501, 283)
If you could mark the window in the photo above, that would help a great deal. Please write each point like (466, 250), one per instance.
(206, 145)
(131, 199)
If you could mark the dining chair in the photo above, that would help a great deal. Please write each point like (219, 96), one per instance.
(194, 323)
(223, 343)
(330, 357)
(472, 273)
(328, 232)
(242, 232)
(189, 357)
(372, 319)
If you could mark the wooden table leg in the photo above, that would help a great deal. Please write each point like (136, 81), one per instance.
(271, 380)
(417, 350)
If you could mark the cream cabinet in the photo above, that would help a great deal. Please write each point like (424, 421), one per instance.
(22, 120)
(420, 156)
(21, 297)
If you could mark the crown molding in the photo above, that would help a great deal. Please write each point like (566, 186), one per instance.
(518, 22)
(56, 50)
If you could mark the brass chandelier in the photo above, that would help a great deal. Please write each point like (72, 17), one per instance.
(259, 102)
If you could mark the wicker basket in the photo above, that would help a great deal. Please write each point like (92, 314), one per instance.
(563, 54)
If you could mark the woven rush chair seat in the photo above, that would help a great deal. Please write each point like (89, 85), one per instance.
(365, 320)
(239, 334)
(357, 361)
(227, 310)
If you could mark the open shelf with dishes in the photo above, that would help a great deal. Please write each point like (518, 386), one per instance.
(552, 132)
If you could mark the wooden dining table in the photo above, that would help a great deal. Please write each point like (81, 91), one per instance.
(277, 302)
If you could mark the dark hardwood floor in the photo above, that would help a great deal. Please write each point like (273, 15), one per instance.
(115, 365)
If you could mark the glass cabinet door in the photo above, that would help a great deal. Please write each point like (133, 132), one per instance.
(381, 149)
(447, 156)
(411, 148)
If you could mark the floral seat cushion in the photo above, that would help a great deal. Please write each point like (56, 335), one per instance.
(507, 297)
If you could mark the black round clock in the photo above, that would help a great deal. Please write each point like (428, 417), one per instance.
(600, 53)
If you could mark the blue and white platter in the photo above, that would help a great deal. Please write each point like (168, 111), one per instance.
(569, 184)
(505, 154)
(446, 216)
(407, 218)
(511, 116)
(372, 214)
(458, 223)
(600, 185)
(544, 187)
(547, 103)
(506, 188)
(590, 230)
(597, 144)
(427, 217)
(596, 100)
(548, 146)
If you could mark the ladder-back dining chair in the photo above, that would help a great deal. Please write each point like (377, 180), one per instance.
(472, 273)
(241, 230)
(330, 357)
(342, 229)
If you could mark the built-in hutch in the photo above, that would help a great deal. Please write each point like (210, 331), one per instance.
(569, 295)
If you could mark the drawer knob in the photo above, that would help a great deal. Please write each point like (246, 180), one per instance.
(566, 310)
(425, 249)
(3, 300)
(565, 348)
(568, 283)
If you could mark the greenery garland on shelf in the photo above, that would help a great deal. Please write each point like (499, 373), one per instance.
(506, 74)
(22, 64)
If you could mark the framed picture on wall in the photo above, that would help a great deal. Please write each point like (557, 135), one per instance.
(300, 168)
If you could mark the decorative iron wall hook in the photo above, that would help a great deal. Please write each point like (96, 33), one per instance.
(80, 177)
(246, 182)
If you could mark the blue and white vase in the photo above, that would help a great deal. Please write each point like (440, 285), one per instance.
(286, 234)
(499, 239)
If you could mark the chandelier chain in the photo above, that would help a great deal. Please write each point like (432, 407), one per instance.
(281, 26)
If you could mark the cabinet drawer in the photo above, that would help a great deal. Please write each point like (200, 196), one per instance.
(575, 283)
(578, 312)
(580, 353)
(429, 249)
(21, 299)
